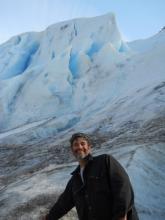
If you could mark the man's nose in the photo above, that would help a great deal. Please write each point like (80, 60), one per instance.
(79, 146)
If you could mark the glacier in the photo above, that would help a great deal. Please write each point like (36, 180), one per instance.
(80, 75)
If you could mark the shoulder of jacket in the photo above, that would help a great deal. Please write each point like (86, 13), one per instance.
(102, 156)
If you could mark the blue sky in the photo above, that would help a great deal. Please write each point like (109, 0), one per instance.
(136, 19)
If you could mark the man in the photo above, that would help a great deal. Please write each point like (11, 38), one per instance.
(99, 187)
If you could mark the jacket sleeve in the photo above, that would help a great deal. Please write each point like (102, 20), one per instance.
(122, 193)
(63, 205)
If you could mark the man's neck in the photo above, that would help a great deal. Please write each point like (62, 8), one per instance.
(83, 161)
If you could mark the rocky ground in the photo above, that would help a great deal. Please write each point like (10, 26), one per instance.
(33, 175)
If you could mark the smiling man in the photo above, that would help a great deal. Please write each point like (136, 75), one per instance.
(99, 188)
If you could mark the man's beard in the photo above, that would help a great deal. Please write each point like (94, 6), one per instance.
(81, 156)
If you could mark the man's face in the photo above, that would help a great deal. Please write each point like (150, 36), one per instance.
(80, 148)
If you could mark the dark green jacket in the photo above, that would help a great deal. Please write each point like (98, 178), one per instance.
(106, 193)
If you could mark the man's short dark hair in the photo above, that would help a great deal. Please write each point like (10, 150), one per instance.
(80, 135)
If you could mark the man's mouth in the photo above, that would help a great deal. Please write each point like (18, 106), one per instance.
(80, 152)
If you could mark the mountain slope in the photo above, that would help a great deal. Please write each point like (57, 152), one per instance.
(48, 66)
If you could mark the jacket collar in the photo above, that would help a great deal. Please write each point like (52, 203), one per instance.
(88, 158)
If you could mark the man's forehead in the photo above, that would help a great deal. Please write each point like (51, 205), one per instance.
(80, 139)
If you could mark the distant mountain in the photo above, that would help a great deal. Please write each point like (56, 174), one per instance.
(80, 75)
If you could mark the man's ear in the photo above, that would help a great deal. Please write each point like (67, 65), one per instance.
(90, 146)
